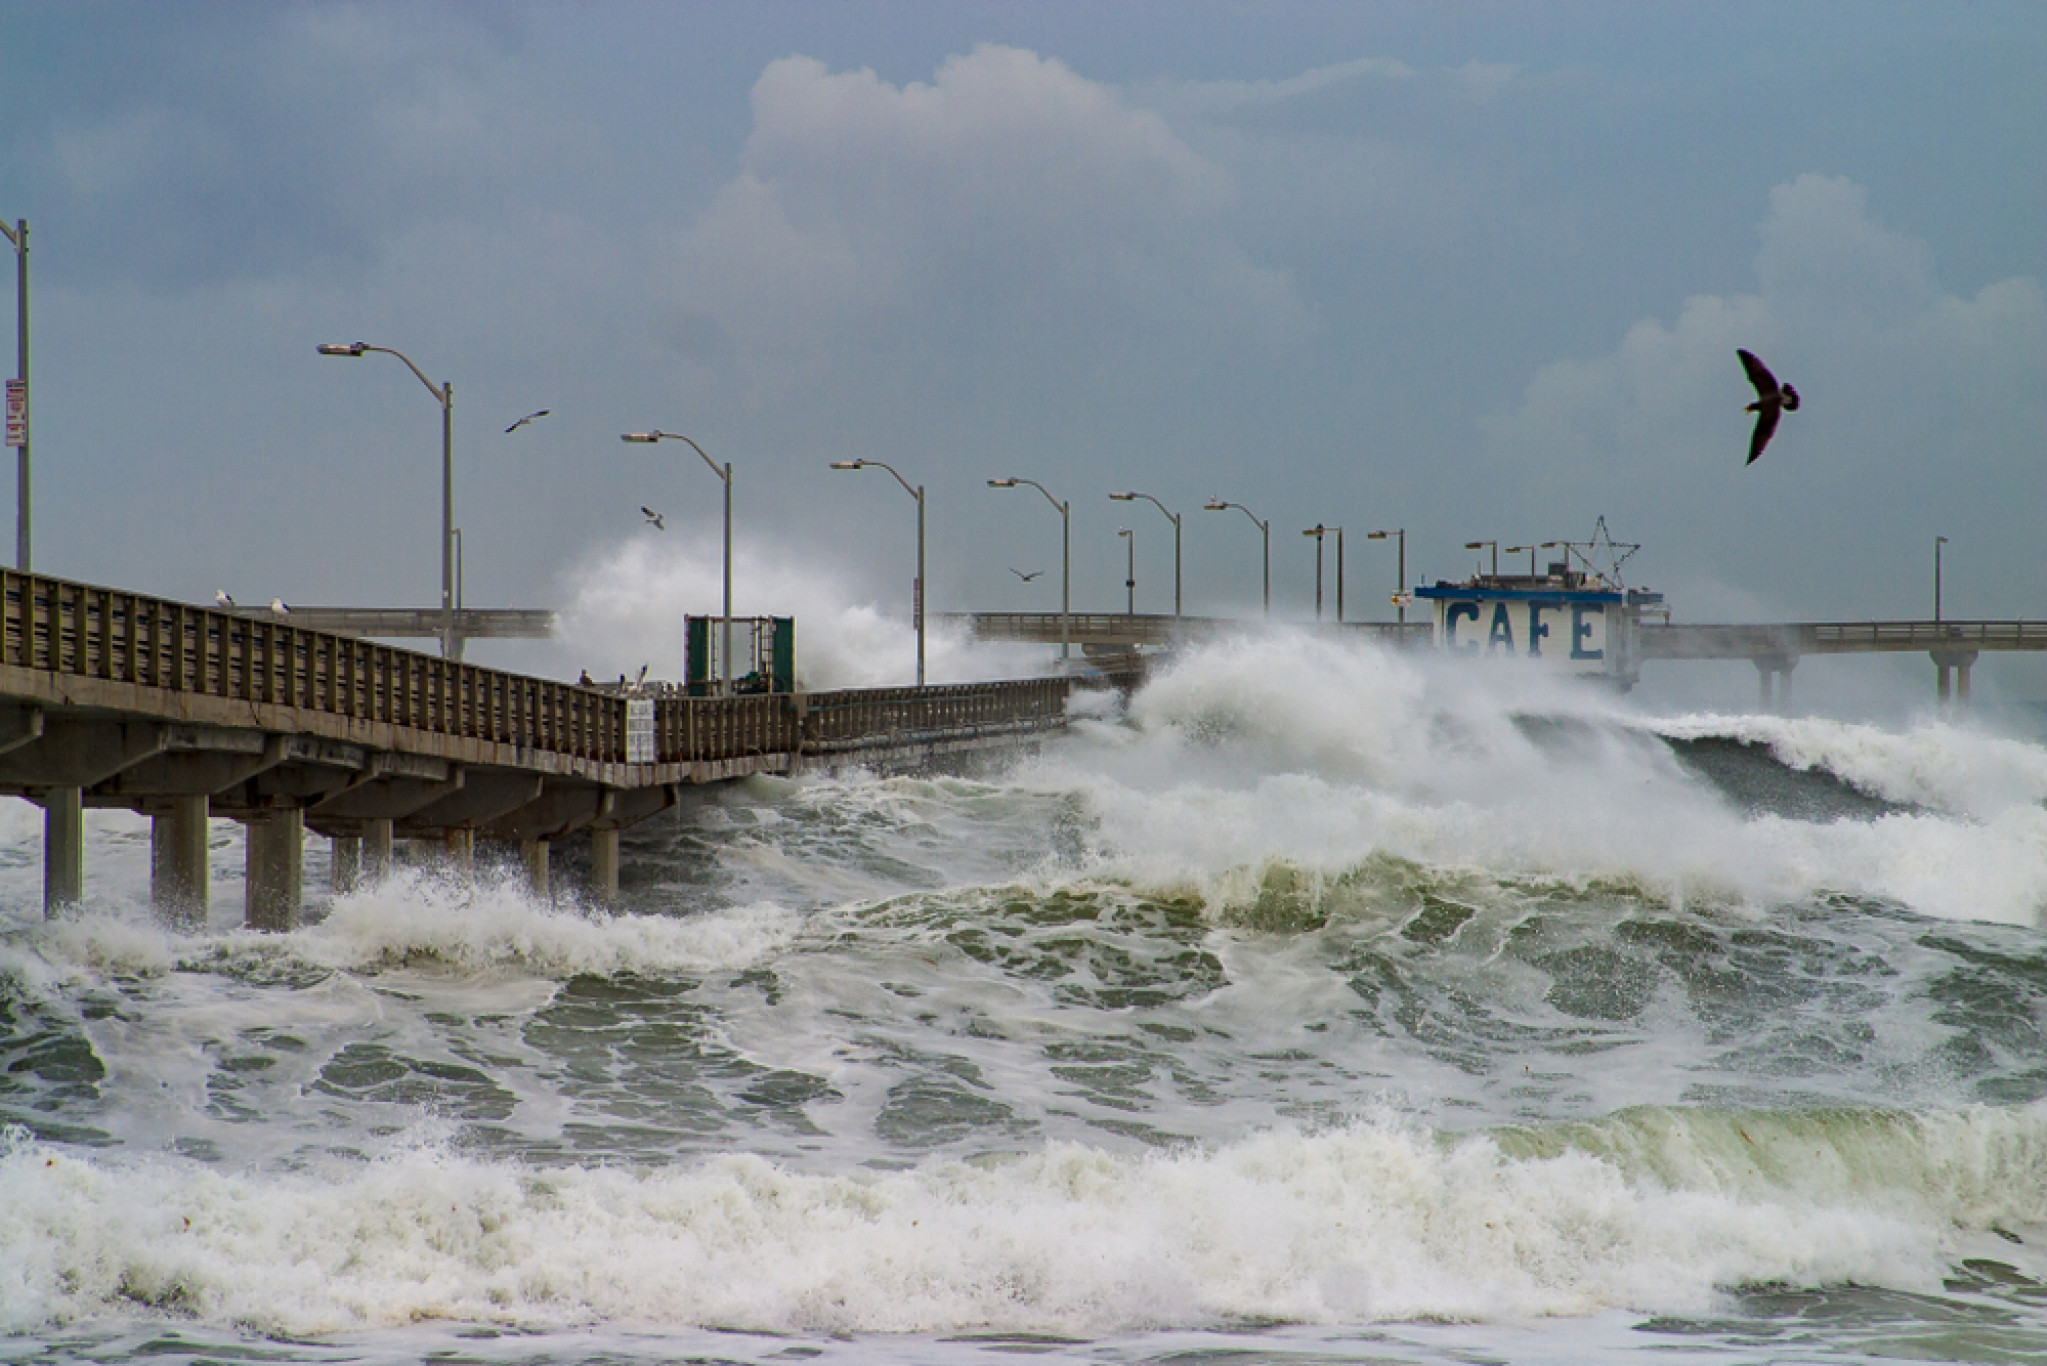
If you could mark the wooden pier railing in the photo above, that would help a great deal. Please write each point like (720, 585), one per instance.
(167, 651)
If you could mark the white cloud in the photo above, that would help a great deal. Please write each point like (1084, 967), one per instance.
(1920, 404)
(1223, 96)
(1008, 219)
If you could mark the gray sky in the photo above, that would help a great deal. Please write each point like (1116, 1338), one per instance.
(1474, 270)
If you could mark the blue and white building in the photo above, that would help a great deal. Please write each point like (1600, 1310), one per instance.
(1580, 622)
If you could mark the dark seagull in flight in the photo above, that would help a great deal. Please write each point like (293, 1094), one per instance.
(524, 420)
(1772, 398)
(1025, 577)
(654, 518)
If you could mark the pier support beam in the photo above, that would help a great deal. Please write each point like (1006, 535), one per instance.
(344, 863)
(533, 856)
(604, 865)
(1952, 665)
(1779, 666)
(63, 848)
(458, 846)
(276, 847)
(177, 861)
(376, 849)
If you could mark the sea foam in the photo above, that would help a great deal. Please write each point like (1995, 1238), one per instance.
(1654, 1212)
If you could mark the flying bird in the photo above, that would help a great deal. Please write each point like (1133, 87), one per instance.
(223, 601)
(654, 518)
(277, 606)
(1025, 577)
(524, 420)
(1772, 398)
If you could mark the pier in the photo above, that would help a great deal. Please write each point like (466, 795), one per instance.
(1775, 649)
(186, 713)
(117, 699)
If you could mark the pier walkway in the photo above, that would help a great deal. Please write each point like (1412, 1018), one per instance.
(1774, 649)
(117, 699)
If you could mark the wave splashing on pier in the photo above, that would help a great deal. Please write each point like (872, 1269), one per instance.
(1317, 1005)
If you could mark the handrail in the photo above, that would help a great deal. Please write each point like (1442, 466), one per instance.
(80, 630)
(1712, 640)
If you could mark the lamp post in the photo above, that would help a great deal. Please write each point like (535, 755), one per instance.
(1129, 570)
(1938, 542)
(1481, 545)
(18, 235)
(1530, 548)
(444, 394)
(1172, 517)
(917, 604)
(724, 472)
(1065, 560)
(458, 568)
(1318, 531)
(1264, 530)
(1400, 581)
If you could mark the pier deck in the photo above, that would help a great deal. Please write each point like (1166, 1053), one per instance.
(117, 699)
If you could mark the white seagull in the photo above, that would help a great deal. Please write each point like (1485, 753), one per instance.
(277, 606)
(524, 420)
(223, 601)
(654, 518)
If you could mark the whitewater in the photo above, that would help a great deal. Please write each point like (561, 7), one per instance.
(1312, 1003)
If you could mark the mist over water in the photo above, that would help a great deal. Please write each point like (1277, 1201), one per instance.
(626, 607)
(1312, 1003)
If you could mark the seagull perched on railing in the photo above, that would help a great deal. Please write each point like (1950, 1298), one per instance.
(277, 606)
(222, 600)
(1025, 577)
(524, 420)
(1772, 398)
(654, 518)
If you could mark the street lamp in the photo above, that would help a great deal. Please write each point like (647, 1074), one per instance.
(1129, 571)
(1264, 529)
(1172, 517)
(1481, 545)
(1065, 560)
(18, 235)
(1517, 549)
(918, 597)
(724, 472)
(1318, 531)
(1400, 582)
(444, 394)
(1938, 542)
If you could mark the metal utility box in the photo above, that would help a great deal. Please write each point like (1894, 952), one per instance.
(764, 650)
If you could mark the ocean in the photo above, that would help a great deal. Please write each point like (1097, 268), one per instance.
(1312, 1004)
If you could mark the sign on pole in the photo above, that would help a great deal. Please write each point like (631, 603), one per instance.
(17, 412)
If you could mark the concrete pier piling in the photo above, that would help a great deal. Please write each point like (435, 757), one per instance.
(376, 849)
(1777, 668)
(344, 863)
(178, 881)
(275, 868)
(533, 858)
(63, 847)
(1952, 686)
(604, 865)
(458, 852)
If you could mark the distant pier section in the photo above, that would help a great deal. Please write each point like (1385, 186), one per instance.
(1624, 636)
